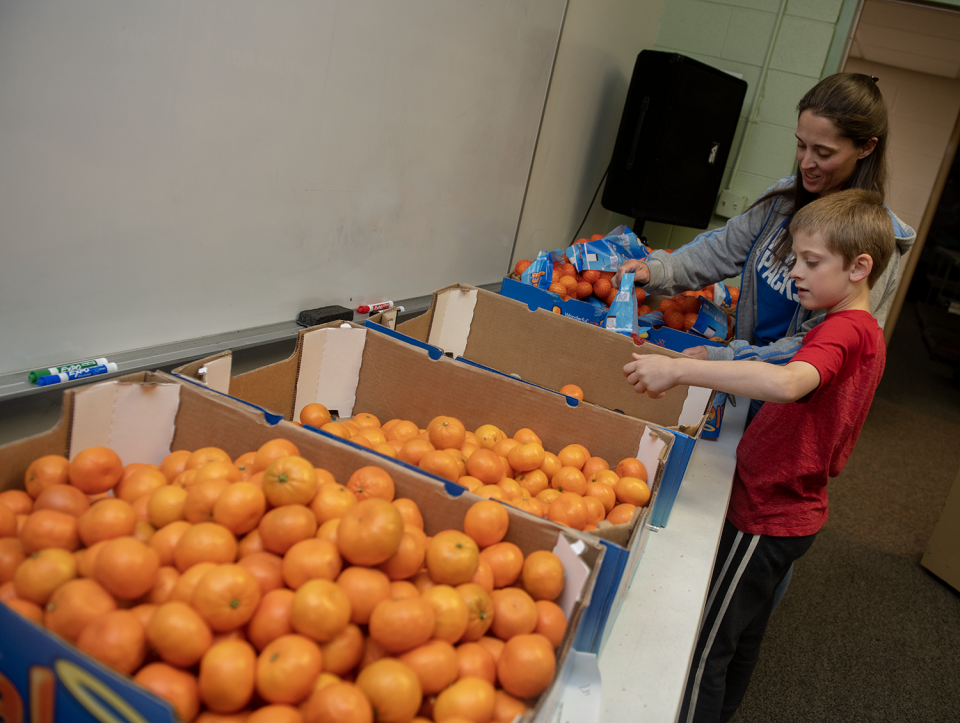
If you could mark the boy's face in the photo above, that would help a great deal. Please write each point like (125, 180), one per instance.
(820, 277)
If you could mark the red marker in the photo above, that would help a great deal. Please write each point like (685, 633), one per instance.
(379, 306)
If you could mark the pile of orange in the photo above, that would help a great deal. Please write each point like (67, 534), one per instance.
(571, 487)
(261, 589)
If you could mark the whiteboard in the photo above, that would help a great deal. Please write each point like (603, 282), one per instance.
(171, 170)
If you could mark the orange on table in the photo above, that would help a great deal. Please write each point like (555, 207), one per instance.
(371, 481)
(204, 542)
(176, 686)
(179, 634)
(631, 467)
(526, 665)
(340, 701)
(393, 690)
(514, 613)
(62, 498)
(370, 532)
(569, 479)
(45, 471)
(315, 414)
(452, 557)
(572, 390)
(467, 699)
(287, 669)
(289, 480)
(401, 625)
(73, 605)
(505, 560)
(479, 608)
(126, 567)
(568, 509)
(115, 638)
(95, 470)
(201, 456)
(227, 673)
(441, 464)
(542, 575)
(446, 432)
(320, 610)
(551, 621)
(105, 520)
(271, 619)
(226, 597)
(621, 514)
(283, 526)
(344, 651)
(49, 529)
(632, 490)
(198, 505)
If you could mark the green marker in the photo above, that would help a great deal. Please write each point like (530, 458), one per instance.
(76, 366)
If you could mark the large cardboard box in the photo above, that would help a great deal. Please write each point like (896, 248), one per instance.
(143, 417)
(354, 369)
(551, 350)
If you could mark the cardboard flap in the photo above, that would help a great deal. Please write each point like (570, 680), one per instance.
(450, 327)
(651, 451)
(695, 406)
(215, 374)
(134, 420)
(575, 572)
(330, 362)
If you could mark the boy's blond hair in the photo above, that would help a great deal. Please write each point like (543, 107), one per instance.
(851, 222)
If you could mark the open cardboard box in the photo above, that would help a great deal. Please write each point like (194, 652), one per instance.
(550, 350)
(352, 369)
(145, 416)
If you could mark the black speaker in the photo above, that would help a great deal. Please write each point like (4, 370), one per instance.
(675, 134)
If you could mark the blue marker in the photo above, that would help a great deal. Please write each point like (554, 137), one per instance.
(76, 374)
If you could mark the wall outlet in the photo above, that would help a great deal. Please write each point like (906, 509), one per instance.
(731, 204)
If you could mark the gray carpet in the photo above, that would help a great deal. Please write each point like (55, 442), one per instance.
(864, 632)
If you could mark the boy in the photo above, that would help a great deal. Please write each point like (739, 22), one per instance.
(841, 244)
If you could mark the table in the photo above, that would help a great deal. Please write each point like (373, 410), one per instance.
(644, 660)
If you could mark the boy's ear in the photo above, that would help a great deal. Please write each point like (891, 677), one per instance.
(861, 267)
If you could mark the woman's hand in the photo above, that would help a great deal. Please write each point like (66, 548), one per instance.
(697, 352)
(641, 273)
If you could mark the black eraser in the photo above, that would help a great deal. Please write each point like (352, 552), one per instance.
(312, 317)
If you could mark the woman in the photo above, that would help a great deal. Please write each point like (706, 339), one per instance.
(841, 143)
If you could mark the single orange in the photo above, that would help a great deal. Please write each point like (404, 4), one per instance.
(452, 557)
(45, 471)
(310, 559)
(239, 507)
(273, 449)
(568, 509)
(95, 470)
(534, 482)
(505, 560)
(370, 532)
(475, 661)
(174, 463)
(631, 467)
(573, 455)
(73, 605)
(271, 619)
(569, 479)
(572, 390)
(413, 450)
(435, 663)
(204, 542)
(486, 522)
(371, 481)
(341, 701)
(551, 464)
(525, 434)
(621, 514)
(266, 567)
(632, 490)
(289, 480)
(409, 557)
(201, 456)
(283, 526)
(526, 665)
(467, 699)
(594, 464)
(62, 498)
(526, 456)
(542, 575)
(446, 432)
(126, 567)
(551, 622)
(596, 510)
(343, 652)
(178, 687)
(105, 520)
(450, 612)
(320, 610)
(315, 414)
(227, 675)
(117, 639)
(480, 609)
(393, 690)
(179, 634)
(45, 529)
(602, 492)
(401, 625)
(166, 505)
(226, 597)
(287, 669)
(218, 469)
(488, 435)
(201, 497)
(514, 613)
(403, 431)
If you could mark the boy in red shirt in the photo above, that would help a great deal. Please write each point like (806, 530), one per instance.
(841, 244)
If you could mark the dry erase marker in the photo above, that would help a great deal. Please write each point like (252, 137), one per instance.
(379, 306)
(34, 375)
(76, 374)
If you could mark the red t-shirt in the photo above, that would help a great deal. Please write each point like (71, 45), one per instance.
(789, 451)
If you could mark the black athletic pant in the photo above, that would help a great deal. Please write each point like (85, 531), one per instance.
(746, 573)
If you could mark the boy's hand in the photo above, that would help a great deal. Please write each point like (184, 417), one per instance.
(641, 274)
(651, 374)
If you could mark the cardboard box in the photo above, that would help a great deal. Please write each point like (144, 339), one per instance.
(143, 417)
(507, 335)
(942, 556)
(537, 298)
(353, 369)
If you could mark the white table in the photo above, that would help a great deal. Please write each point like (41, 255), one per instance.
(644, 661)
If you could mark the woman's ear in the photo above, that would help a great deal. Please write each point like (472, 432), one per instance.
(867, 148)
(861, 267)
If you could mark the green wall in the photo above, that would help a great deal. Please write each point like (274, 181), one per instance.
(735, 36)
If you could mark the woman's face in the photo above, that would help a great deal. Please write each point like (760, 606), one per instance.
(825, 158)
